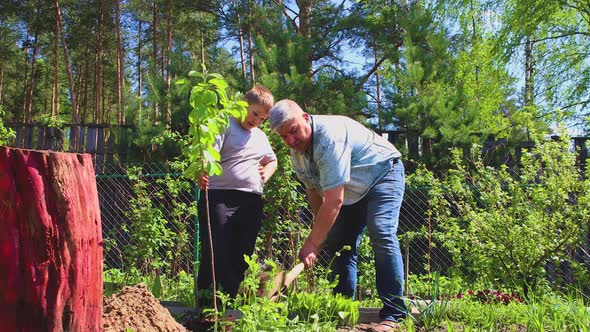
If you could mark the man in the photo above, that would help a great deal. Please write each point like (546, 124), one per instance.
(354, 179)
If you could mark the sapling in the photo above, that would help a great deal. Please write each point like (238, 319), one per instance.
(211, 111)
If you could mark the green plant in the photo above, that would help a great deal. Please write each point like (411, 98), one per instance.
(211, 110)
(151, 244)
(6, 134)
(50, 121)
(176, 288)
(488, 216)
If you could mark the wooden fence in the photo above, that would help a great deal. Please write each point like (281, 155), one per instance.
(106, 144)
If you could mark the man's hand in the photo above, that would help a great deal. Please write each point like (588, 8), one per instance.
(203, 182)
(308, 254)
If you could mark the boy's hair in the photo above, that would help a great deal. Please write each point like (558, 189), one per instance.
(259, 95)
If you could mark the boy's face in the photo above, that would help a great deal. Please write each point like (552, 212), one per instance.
(256, 115)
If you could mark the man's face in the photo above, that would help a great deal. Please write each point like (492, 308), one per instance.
(296, 133)
(256, 115)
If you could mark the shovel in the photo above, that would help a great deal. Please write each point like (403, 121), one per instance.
(282, 281)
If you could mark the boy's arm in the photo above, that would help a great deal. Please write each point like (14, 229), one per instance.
(266, 171)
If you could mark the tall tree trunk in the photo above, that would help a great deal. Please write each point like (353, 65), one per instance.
(251, 47)
(51, 242)
(168, 115)
(98, 65)
(75, 118)
(55, 89)
(139, 70)
(155, 24)
(202, 41)
(25, 82)
(1, 70)
(305, 30)
(31, 87)
(241, 41)
(83, 83)
(474, 42)
(378, 84)
(120, 65)
(1, 81)
(529, 72)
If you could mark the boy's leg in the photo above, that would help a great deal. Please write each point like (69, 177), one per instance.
(246, 226)
(220, 212)
(383, 205)
(347, 230)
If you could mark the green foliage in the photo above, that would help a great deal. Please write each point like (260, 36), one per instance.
(51, 121)
(177, 288)
(294, 311)
(6, 134)
(211, 109)
(151, 240)
(488, 220)
(155, 249)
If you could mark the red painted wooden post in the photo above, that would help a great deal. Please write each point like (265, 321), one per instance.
(50, 242)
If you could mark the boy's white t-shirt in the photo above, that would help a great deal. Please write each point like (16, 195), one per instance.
(241, 152)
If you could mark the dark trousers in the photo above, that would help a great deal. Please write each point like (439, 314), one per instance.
(236, 217)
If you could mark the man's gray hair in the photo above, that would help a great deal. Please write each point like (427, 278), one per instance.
(282, 112)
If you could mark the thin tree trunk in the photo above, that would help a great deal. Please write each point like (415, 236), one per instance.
(202, 47)
(75, 118)
(241, 40)
(305, 31)
(139, 72)
(378, 83)
(1, 71)
(120, 65)
(32, 81)
(55, 88)
(25, 82)
(155, 52)
(251, 47)
(529, 86)
(474, 42)
(1, 81)
(168, 115)
(83, 86)
(98, 67)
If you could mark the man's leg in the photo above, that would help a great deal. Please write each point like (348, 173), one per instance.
(347, 231)
(383, 205)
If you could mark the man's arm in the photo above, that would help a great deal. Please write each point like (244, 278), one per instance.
(315, 200)
(323, 222)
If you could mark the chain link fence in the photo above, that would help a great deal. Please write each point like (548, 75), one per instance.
(117, 193)
(149, 222)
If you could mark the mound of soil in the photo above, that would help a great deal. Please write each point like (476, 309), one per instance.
(136, 308)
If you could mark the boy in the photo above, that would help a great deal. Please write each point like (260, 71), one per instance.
(235, 196)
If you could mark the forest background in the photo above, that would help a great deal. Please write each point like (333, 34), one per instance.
(442, 73)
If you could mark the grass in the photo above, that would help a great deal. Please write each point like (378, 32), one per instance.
(319, 311)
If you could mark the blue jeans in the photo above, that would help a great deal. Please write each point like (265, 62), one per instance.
(378, 211)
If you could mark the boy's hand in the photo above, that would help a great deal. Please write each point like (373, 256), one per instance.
(203, 182)
(264, 173)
